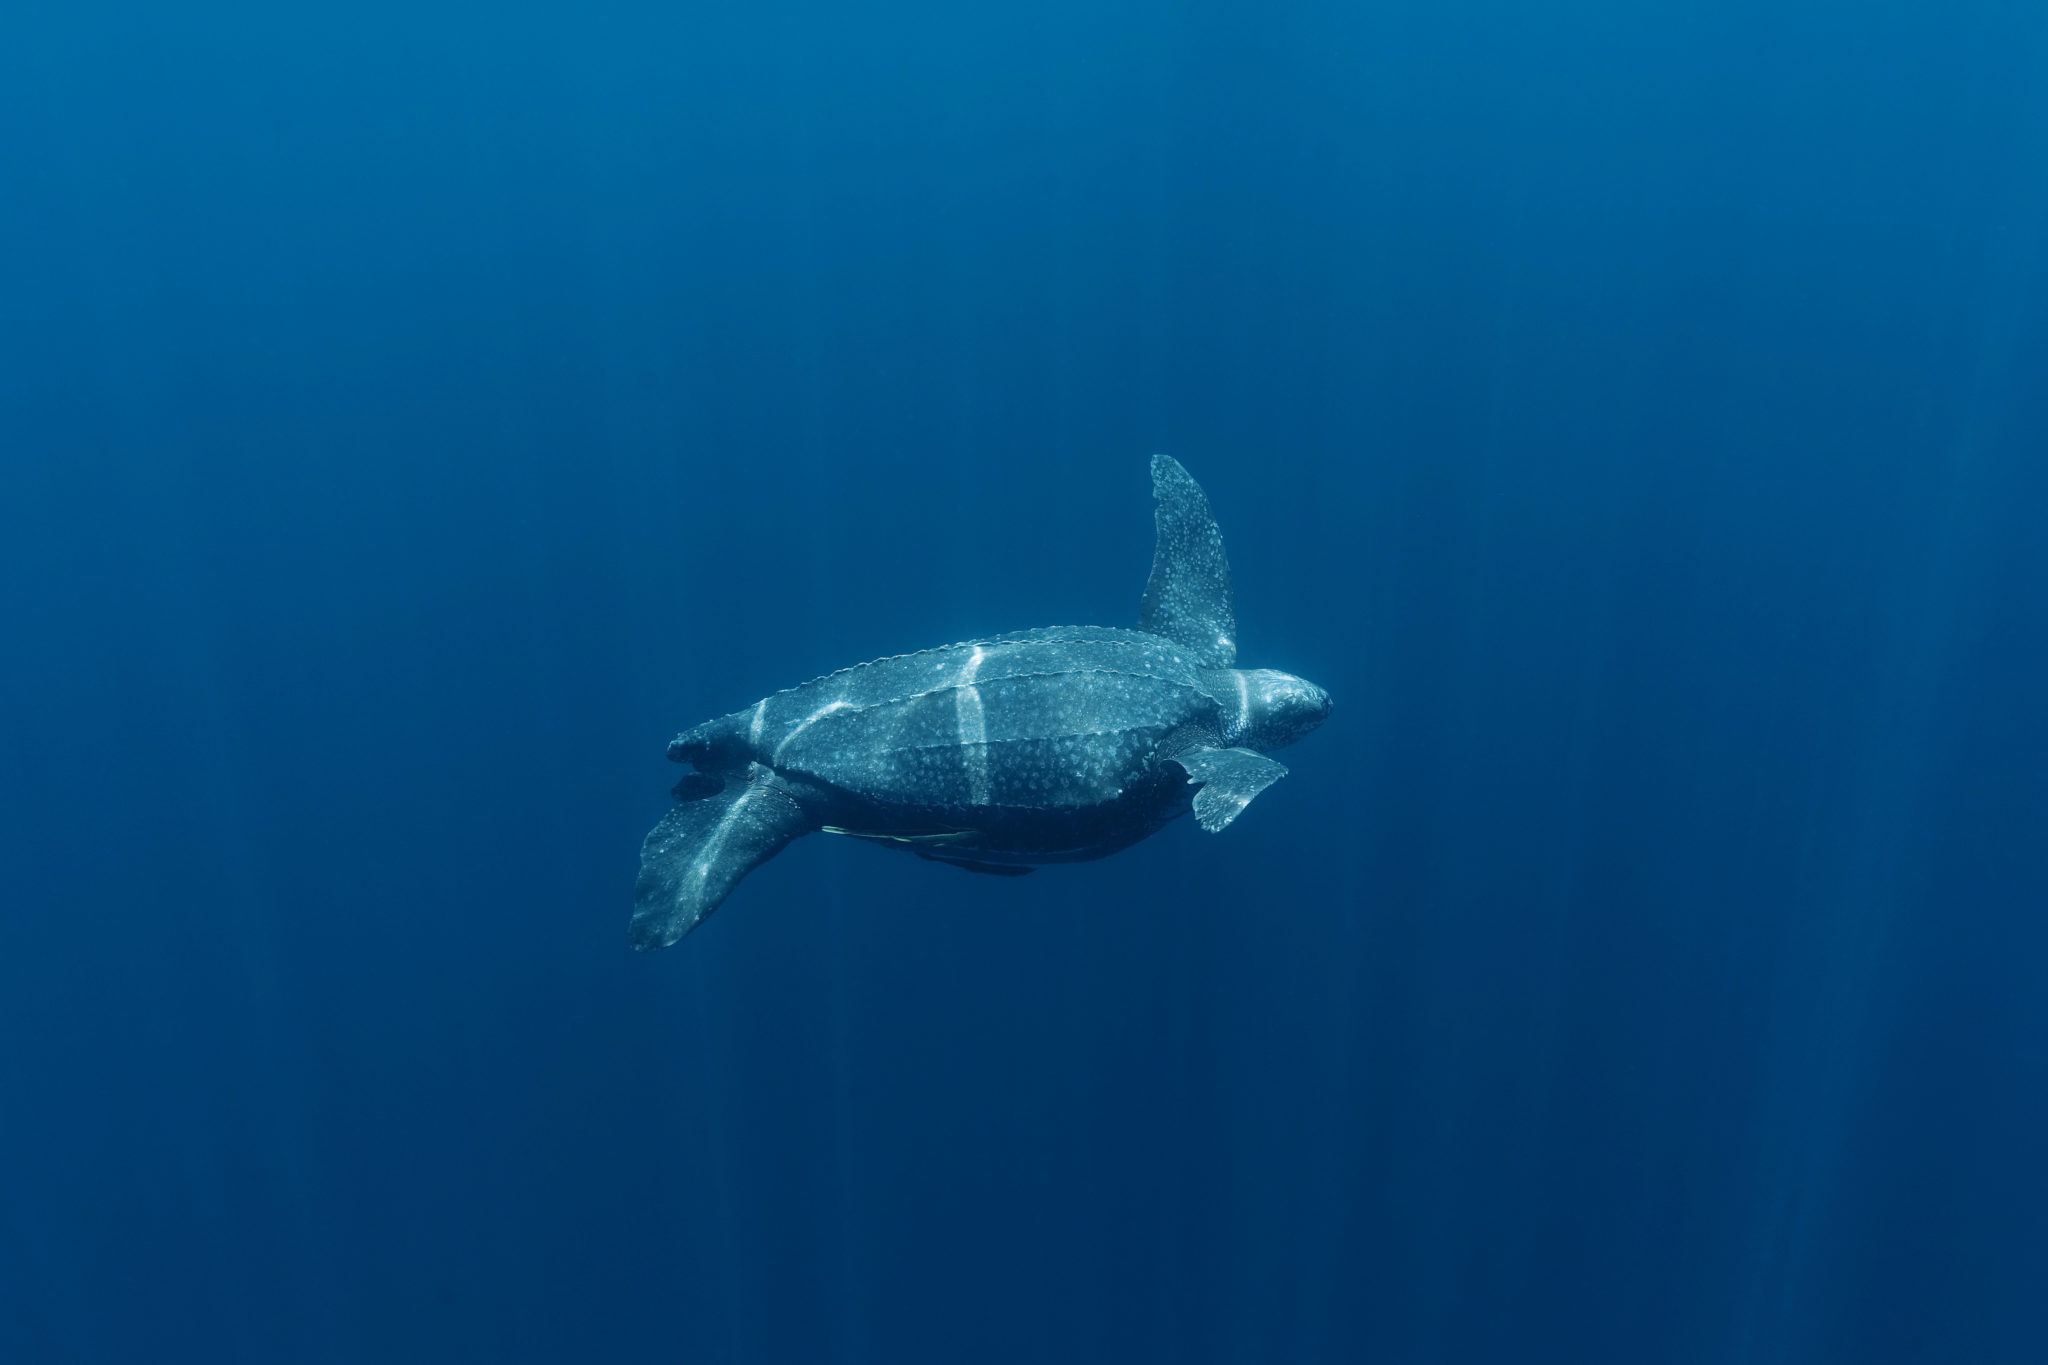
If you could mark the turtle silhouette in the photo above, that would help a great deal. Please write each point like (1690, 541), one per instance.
(1042, 746)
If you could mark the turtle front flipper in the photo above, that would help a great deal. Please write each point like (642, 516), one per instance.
(1229, 779)
(692, 860)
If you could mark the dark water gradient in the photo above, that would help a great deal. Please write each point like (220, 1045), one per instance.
(1635, 416)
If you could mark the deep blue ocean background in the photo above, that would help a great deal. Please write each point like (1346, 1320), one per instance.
(1635, 416)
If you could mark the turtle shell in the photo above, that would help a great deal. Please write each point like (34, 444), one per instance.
(1058, 719)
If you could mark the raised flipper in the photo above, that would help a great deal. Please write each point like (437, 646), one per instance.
(1188, 598)
(704, 845)
(1229, 778)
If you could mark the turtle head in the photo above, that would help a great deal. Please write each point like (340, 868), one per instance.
(1273, 709)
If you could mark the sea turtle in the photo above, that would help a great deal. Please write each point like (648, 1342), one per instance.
(1042, 746)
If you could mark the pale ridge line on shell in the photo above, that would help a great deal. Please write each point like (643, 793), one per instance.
(1164, 643)
(955, 808)
(973, 724)
(808, 721)
(862, 706)
(1027, 739)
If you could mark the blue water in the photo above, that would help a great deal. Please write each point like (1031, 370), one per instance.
(1635, 416)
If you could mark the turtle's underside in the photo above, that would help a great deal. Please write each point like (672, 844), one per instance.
(1051, 745)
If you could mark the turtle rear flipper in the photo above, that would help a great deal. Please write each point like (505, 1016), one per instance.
(692, 860)
(1230, 778)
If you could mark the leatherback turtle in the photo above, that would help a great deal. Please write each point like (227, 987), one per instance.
(1042, 746)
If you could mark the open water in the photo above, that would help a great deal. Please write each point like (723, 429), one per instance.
(1635, 416)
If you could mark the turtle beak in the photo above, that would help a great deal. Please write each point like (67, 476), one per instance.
(1295, 706)
(1319, 706)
